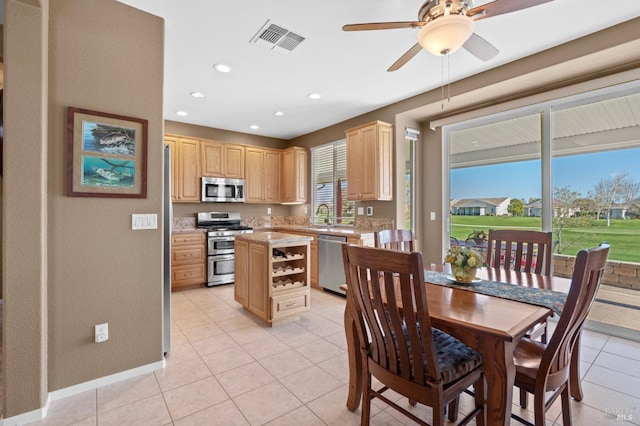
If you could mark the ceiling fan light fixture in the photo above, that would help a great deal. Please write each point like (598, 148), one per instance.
(446, 34)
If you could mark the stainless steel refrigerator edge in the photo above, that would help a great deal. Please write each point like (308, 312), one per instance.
(167, 224)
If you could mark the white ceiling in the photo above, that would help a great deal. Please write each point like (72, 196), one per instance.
(348, 69)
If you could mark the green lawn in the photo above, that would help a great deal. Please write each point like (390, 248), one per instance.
(623, 235)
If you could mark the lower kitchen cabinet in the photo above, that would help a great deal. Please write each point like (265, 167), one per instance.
(272, 275)
(188, 259)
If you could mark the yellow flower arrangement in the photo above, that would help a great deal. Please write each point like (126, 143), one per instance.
(464, 261)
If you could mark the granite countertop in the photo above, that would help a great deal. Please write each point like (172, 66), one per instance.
(272, 237)
(331, 230)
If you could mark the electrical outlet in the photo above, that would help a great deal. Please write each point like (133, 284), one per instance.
(369, 211)
(102, 332)
(268, 210)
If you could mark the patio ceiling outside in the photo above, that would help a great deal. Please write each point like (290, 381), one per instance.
(598, 126)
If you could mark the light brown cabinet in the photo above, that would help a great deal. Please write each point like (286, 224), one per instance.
(272, 278)
(370, 162)
(295, 169)
(262, 175)
(185, 169)
(220, 159)
(271, 176)
(188, 259)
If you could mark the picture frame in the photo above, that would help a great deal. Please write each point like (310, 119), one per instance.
(106, 155)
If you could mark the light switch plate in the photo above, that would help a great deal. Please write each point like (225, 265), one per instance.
(369, 211)
(144, 221)
(432, 215)
(360, 211)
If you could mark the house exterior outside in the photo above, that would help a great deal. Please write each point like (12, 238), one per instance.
(534, 209)
(481, 207)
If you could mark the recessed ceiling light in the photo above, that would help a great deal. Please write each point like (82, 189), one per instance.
(254, 127)
(197, 95)
(279, 113)
(314, 95)
(182, 113)
(222, 67)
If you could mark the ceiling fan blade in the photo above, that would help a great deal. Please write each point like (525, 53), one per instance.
(382, 26)
(480, 48)
(500, 7)
(408, 55)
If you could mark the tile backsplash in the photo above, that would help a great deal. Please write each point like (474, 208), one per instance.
(372, 224)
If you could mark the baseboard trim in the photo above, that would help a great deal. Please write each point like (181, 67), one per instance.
(41, 413)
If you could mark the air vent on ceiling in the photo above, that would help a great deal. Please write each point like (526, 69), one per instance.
(277, 38)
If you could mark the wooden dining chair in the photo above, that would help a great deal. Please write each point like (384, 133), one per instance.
(524, 251)
(398, 345)
(542, 368)
(394, 239)
(520, 250)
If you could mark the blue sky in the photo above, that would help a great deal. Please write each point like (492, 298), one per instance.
(522, 179)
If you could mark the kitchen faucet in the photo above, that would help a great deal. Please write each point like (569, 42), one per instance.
(326, 219)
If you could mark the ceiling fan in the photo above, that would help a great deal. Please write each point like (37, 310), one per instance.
(448, 25)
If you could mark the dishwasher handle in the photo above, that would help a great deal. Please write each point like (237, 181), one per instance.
(331, 239)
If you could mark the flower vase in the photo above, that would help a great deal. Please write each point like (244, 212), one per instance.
(463, 275)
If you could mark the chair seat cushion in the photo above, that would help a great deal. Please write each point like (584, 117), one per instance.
(527, 357)
(455, 359)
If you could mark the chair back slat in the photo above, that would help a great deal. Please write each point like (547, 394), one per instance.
(587, 275)
(518, 250)
(395, 239)
(386, 290)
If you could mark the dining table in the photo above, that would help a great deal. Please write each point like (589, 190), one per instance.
(490, 323)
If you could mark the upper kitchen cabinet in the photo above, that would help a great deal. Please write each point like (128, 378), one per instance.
(185, 169)
(262, 175)
(220, 159)
(295, 169)
(370, 162)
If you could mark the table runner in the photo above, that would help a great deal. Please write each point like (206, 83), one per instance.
(553, 300)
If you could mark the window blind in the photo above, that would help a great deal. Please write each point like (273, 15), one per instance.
(329, 165)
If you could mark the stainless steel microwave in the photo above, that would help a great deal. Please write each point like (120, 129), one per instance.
(222, 190)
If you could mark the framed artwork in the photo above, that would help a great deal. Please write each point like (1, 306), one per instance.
(106, 155)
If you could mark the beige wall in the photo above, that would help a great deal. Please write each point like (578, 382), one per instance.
(74, 262)
(24, 253)
(71, 263)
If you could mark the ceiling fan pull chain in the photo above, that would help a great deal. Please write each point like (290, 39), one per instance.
(442, 83)
(448, 78)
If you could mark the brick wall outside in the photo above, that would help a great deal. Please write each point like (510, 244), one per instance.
(618, 274)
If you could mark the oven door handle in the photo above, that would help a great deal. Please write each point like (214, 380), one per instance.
(217, 257)
(216, 239)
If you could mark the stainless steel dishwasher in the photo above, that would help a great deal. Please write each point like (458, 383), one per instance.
(330, 265)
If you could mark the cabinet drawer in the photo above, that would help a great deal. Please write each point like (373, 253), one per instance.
(186, 255)
(187, 239)
(289, 304)
(187, 275)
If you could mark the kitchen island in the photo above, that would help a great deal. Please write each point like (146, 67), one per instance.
(272, 275)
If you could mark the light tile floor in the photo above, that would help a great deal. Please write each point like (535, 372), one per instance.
(226, 367)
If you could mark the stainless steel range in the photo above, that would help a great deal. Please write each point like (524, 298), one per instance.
(221, 228)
